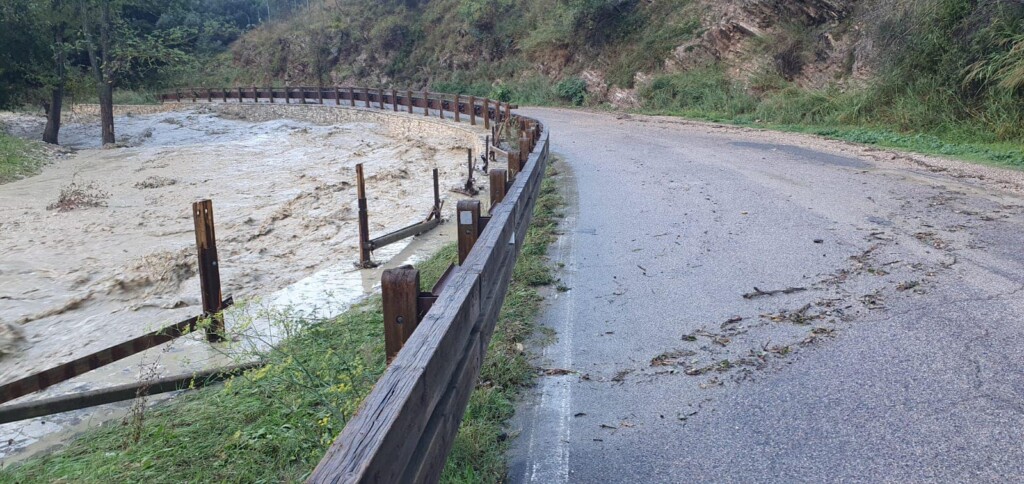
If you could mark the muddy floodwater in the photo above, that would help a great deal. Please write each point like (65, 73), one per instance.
(77, 281)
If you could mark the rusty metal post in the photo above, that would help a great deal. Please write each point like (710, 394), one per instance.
(487, 113)
(426, 103)
(400, 290)
(499, 186)
(408, 101)
(394, 100)
(469, 226)
(209, 270)
(487, 152)
(469, 168)
(436, 213)
(364, 219)
(472, 110)
(352, 96)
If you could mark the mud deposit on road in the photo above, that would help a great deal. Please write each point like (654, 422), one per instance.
(76, 281)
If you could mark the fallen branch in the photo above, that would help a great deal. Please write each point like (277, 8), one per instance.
(759, 293)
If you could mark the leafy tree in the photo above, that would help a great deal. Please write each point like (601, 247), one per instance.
(122, 43)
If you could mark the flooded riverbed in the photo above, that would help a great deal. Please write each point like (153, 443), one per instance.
(77, 281)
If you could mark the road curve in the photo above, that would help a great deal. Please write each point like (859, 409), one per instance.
(896, 355)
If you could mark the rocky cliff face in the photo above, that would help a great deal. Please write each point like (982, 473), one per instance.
(811, 42)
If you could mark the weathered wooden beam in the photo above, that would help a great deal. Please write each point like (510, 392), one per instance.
(66, 371)
(458, 108)
(102, 396)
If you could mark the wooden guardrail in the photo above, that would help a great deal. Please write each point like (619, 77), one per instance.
(406, 426)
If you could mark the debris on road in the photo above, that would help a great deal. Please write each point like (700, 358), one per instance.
(759, 293)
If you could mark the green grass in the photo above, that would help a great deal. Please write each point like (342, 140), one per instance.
(478, 454)
(274, 424)
(19, 158)
(857, 116)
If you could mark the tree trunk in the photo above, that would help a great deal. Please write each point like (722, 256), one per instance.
(107, 112)
(52, 130)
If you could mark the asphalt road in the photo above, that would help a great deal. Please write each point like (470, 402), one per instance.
(898, 355)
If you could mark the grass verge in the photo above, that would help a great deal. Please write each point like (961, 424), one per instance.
(274, 424)
(478, 454)
(19, 158)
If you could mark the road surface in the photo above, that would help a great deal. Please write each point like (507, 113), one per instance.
(895, 353)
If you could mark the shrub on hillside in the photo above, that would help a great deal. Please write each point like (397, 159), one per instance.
(573, 90)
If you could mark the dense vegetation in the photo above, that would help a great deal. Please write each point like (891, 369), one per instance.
(943, 76)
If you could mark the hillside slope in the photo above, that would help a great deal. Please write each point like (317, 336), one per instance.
(947, 68)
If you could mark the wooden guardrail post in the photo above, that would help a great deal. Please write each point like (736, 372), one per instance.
(320, 94)
(487, 113)
(209, 95)
(271, 93)
(440, 105)
(209, 269)
(524, 150)
(468, 212)
(513, 163)
(400, 290)
(364, 219)
(458, 108)
(426, 103)
(177, 95)
(394, 100)
(380, 97)
(408, 100)
(472, 110)
(352, 96)
(508, 111)
(436, 211)
(287, 95)
(366, 96)
(499, 186)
